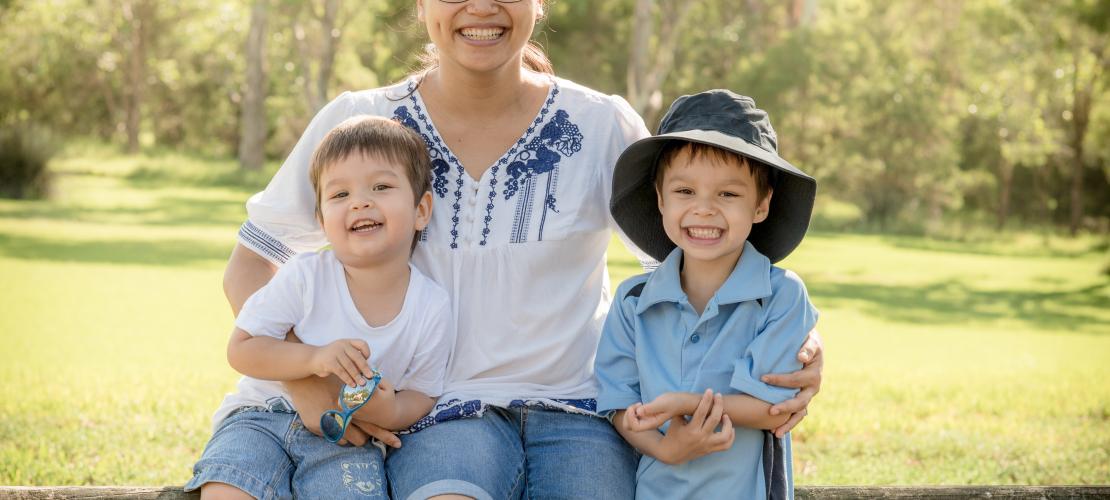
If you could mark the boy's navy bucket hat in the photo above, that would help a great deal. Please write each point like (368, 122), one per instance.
(728, 121)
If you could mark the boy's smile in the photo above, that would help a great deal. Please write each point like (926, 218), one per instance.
(709, 204)
(368, 211)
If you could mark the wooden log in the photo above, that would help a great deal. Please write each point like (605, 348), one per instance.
(949, 492)
(801, 492)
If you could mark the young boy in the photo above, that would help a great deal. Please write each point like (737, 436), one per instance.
(358, 305)
(684, 346)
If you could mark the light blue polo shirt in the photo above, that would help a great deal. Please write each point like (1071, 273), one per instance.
(656, 343)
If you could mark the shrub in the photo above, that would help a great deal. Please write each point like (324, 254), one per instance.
(24, 153)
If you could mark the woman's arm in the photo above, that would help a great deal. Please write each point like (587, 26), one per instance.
(246, 272)
(395, 410)
(808, 379)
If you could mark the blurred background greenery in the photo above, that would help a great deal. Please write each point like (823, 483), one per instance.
(922, 117)
(959, 251)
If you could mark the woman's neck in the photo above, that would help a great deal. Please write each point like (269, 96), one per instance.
(459, 92)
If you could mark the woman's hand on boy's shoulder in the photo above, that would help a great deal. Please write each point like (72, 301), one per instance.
(808, 380)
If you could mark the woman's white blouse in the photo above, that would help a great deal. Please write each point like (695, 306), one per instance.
(521, 250)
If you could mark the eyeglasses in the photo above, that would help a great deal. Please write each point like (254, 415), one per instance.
(464, 1)
(333, 423)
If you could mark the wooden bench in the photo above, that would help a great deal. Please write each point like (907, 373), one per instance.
(801, 492)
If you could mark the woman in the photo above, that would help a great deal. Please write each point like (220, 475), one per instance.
(523, 163)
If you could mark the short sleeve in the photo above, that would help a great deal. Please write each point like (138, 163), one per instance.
(789, 316)
(629, 128)
(278, 306)
(428, 369)
(281, 220)
(615, 365)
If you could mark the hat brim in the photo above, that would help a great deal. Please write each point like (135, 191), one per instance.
(634, 203)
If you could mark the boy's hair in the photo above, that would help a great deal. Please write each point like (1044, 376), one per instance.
(378, 137)
(763, 175)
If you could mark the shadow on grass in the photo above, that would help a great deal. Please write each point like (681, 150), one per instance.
(170, 253)
(953, 302)
(1001, 248)
(171, 211)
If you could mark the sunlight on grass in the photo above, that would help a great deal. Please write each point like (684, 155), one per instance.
(948, 362)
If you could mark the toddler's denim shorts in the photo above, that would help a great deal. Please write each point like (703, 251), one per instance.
(269, 455)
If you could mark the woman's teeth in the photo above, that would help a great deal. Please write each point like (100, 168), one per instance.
(482, 34)
(704, 233)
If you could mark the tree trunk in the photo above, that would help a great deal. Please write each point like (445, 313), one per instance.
(642, 30)
(1080, 114)
(646, 78)
(315, 86)
(138, 14)
(1005, 187)
(252, 125)
(330, 39)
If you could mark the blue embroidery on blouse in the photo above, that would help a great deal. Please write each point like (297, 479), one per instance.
(511, 154)
(439, 166)
(559, 138)
(438, 151)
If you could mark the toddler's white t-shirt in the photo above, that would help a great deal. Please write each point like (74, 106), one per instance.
(309, 294)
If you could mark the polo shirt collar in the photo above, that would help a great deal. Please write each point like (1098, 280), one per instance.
(750, 280)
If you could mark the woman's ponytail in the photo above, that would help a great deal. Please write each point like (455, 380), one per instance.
(536, 60)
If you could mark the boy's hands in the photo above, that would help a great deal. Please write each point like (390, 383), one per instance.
(345, 359)
(642, 417)
(687, 440)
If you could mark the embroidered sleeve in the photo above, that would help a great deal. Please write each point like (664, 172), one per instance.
(789, 316)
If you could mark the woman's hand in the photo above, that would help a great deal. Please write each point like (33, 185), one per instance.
(687, 440)
(314, 395)
(369, 430)
(808, 379)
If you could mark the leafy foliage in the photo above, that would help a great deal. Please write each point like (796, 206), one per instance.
(916, 113)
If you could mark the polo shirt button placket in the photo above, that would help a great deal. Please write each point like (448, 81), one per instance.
(695, 338)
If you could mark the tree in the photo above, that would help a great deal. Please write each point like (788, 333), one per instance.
(253, 126)
(655, 24)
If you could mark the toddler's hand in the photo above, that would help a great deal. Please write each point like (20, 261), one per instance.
(345, 359)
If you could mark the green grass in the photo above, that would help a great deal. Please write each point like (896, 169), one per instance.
(973, 362)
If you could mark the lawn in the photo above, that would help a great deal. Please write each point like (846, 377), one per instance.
(982, 362)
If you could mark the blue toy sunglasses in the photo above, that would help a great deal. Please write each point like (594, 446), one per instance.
(333, 423)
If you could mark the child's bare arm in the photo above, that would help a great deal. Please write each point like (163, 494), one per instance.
(741, 409)
(649, 442)
(394, 410)
(684, 440)
(268, 358)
